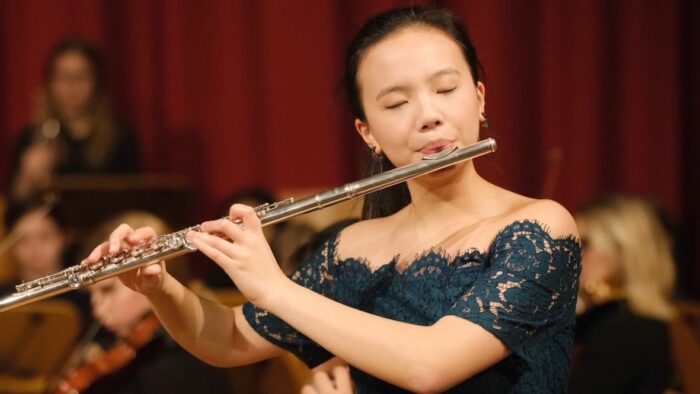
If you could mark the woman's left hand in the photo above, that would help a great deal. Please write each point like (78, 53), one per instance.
(338, 382)
(246, 258)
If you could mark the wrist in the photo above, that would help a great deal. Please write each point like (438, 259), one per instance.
(275, 298)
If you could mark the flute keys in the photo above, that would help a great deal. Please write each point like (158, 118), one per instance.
(74, 281)
(136, 252)
(174, 242)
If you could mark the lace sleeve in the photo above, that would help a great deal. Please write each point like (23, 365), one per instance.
(319, 274)
(528, 289)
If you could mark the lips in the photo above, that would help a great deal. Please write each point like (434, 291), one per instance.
(435, 146)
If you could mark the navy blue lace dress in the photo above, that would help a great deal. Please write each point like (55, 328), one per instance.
(522, 290)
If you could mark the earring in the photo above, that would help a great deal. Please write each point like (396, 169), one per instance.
(377, 158)
(373, 152)
(485, 122)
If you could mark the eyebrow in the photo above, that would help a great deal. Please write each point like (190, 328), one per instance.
(395, 88)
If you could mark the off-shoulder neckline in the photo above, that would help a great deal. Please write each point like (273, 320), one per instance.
(530, 225)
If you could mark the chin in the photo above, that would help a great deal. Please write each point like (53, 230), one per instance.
(441, 176)
(447, 171)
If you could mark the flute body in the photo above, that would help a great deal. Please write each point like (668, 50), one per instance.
(168, 246)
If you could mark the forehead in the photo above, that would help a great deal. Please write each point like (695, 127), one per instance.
(71, 60)
(413, 52)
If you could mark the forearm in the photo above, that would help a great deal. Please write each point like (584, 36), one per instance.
(204, 328)
(418, 358)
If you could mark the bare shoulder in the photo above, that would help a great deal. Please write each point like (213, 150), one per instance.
(553, 216)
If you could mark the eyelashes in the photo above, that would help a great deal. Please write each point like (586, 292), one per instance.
(446, 91)
(399, 104)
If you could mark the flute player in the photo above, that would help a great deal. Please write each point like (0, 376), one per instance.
(449, 283)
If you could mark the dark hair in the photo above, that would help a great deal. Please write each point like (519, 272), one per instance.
(391, 200)
(18, 209)
(306, 250)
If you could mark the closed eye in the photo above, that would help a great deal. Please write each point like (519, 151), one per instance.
(395, 105)
(446, 91)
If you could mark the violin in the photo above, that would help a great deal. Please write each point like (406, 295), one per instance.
(112, 360)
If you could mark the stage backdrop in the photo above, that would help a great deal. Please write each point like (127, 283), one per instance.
(584, 96)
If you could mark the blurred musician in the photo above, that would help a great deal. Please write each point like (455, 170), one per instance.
(135, 354)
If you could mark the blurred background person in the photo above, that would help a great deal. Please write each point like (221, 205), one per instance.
(39, 243)
(75, 130)
(134, 354)
(627, 280)
(141, 357)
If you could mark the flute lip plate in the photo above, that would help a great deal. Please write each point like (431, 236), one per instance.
(440, 155)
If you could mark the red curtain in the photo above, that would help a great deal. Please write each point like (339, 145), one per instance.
(584, 96)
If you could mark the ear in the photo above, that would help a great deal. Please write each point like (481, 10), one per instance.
(481, 97)
(366, 133)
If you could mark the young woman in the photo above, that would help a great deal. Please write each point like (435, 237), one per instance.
(450, 282)
(75, 131)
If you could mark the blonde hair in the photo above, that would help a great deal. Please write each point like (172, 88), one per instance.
(628, 231)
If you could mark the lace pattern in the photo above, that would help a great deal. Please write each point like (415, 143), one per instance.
(522, 290)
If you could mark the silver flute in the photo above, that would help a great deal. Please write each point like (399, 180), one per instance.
(175, 244)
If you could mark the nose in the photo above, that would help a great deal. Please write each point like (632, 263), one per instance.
(430, 117)
(96, 304)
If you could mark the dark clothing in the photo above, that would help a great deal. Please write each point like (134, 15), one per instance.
(162, 366)
(123, 158)
(522, 290)
(617, 351)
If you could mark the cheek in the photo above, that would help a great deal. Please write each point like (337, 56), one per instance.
(127, 308)
(59, 89)
(22, 251)
(84, 90)
(391, 125)
(464, 111)
(54, 248)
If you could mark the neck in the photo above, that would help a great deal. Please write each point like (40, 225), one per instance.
(453, 194)
(79, 127)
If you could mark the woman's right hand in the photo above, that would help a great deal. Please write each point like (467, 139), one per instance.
(147, 279)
